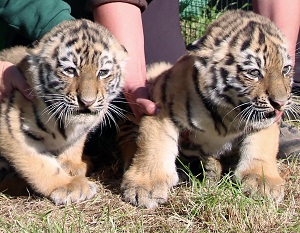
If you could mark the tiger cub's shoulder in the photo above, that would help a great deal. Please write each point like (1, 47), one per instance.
(156, 69)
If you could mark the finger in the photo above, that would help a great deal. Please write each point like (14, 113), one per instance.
(18, 82)
(25, 89)
(147, 107)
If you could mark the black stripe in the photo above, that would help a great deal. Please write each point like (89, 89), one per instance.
(195, 80)
(246, 44)
(94, 59)
(84, 37)
(189, 112)
(38, 121)
(217, 41)
(261, 37)
(32, 136)
(28, 133)
(71, 42)
(218, 122)
(85, 52)
(61, 128)
(209, 106)
(248, 29)
(164, 87)
(105, 45)
(78, 50)
(229, 59)
(41, 74)
(94, 30)
(8, 108)
(84, 24)
(75, 31)
(93, 39)
(202, 60)
(55, 53)
(62, 37)
(172, 115)
(224, 73)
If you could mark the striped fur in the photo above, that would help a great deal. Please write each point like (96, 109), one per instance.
(75, 71)
(227, 96)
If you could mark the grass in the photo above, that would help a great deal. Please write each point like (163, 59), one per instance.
(199, 207)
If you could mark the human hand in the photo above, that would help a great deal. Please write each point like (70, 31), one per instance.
(136, 91)
(140, 104)
(11, 78)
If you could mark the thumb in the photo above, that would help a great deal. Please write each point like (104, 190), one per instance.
(19, 82)
(147, 107)
(24, 88)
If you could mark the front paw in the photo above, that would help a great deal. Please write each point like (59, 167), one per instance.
(79, 189)
(271, 187)
(147, 189)
(73, 168)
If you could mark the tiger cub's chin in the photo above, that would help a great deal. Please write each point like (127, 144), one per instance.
(226, 96)
(74, 71)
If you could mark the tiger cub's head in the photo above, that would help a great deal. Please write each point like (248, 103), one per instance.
(77, 68)
(246, 68)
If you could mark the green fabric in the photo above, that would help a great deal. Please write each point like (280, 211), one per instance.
(3, 29)
(31, 18)
(24, 21)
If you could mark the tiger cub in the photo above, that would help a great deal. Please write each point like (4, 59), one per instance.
(229, 92)
(75, 71)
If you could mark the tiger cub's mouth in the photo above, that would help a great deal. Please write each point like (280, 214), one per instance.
(278, 115)
(85, 111)
(92, 110)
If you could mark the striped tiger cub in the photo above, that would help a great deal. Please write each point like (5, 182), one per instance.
(229, 93)
(75, 71)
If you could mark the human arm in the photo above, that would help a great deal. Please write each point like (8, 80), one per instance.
(286, 15)
(125, 23)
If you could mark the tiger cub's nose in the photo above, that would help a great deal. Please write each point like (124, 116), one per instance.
(86, 103)
(278, 104)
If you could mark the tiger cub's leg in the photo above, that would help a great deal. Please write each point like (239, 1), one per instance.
(74, 162)
(153, 171)
(46, 176)
(126, 139)
(10, 182)
(257, 168)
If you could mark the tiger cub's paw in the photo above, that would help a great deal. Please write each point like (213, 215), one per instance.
(79, 189)
(147, 189)
(271, 187)
(81, 168)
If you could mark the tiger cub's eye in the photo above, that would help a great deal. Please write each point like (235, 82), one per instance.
(255, 73)
(70, 71)
(287, 69)
(103, 73)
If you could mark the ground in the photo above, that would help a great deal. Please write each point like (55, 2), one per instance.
(195, 207)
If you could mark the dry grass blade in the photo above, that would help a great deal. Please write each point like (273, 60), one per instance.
(199, 207)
